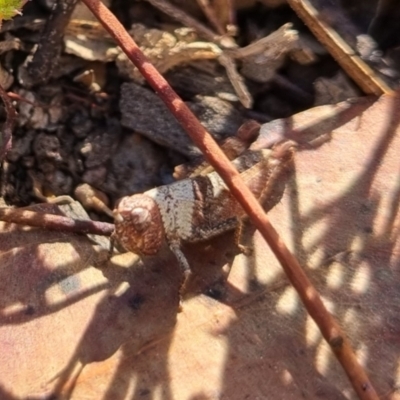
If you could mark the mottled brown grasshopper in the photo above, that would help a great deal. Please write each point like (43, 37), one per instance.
(197, 208)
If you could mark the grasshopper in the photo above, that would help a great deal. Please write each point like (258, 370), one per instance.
(196, 208)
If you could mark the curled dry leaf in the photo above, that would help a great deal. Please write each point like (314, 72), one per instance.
(262, 58)
(166, 50)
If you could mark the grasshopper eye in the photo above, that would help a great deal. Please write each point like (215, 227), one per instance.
(140, 217)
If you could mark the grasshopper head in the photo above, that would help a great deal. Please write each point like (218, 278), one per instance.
(138, 224)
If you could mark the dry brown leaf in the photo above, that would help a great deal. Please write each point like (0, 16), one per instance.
(245, 335)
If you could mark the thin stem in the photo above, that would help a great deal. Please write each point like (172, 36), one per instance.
(56, 222)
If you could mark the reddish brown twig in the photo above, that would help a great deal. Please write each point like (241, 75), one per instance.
(6, 135)
(330, 329)
(56, 222)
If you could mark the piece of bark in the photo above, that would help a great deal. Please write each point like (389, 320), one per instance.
(143, 112)
(191, 81)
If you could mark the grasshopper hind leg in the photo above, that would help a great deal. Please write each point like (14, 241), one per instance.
(184, 265)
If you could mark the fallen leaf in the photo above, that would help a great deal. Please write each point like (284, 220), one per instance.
(114, 332)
